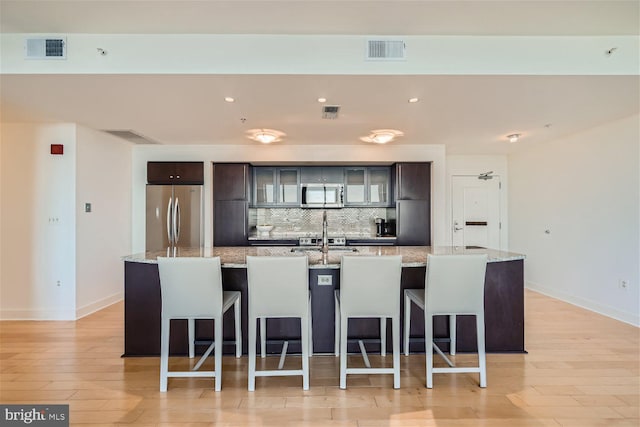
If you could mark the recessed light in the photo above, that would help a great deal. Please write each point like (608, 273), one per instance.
(513, 137)
(229, 99)
(413, 100)
(322, 100)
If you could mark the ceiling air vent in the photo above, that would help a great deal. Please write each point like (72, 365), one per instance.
(330, 111)
(385, 50)
(45, 48)
(130, 136)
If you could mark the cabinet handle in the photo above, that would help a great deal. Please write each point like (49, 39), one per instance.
(177, 176)
(170, 176)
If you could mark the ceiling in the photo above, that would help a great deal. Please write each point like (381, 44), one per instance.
(470, 114)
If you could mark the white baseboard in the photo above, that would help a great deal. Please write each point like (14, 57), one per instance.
(36, 314)
(98, 305)
(605, 310)
(64, 314)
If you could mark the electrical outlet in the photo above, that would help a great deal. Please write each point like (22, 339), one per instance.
(623, 284)
(58, 283)
(324, 280)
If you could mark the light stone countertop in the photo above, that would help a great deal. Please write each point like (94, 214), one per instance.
(236, 257)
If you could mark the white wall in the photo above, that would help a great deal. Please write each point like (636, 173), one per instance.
(38, 222)
(104, 234)
(584, 189)
(275, 154)
(473, 166)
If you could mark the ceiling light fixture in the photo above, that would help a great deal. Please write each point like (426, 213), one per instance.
(265, 136)
(229, 99)
(322, 100)
(513, 137)
(382, 136)
(413, 100)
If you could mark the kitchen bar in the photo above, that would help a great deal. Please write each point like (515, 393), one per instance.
(504, 299)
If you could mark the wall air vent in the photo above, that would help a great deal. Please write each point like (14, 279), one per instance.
(385, 50)
(45, 48)
(330, 111)
(130, 136)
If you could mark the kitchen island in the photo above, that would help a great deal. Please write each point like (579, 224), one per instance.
(504, 300)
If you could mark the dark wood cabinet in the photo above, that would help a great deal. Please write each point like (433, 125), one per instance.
(230, 223)
(177, 173)
(413, 181)
(230, 181)
(230, 204)
(413, 224)
(413, 204)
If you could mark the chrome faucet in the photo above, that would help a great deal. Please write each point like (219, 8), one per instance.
(325, 239)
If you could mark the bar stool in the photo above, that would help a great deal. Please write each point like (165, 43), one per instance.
(454, 285)
(278, 287)
(369, 287)
(191, 288)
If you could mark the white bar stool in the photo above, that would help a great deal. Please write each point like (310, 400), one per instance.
(191, 289)
(369, 287)
(278, 287)
(454, 285)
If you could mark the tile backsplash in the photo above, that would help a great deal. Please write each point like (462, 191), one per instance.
(308, 222)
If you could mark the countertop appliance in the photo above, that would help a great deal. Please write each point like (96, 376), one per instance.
(322, 195)
(174, 217)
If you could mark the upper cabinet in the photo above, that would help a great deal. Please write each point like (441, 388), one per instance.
(367, 186)
(276, 186)
(322, 175)
(177, 173)
(379, 186)
(413, 181)
(231, 181)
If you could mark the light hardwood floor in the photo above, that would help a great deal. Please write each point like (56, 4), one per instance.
(582, 370)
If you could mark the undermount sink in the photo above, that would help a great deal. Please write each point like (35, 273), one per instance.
(319, 249)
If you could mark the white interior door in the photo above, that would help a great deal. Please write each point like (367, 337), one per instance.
(475, 211)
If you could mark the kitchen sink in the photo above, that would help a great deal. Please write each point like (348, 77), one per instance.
(319, 249)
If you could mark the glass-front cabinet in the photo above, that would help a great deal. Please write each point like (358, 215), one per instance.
(264, 186)
(378, 190)
(367, 186)
(354, 186)
(288, 186)
(276, 186)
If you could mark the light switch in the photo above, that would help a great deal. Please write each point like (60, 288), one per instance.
(87, 207)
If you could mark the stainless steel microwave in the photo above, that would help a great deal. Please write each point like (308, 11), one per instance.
(322, 195)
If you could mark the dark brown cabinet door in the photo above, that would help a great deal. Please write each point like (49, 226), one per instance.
(177, 173)
(230, 223)
(413, 223)
(413, 181)
(231, 181)
(191, 173)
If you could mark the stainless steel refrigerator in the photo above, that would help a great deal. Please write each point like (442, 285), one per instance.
(174, 217)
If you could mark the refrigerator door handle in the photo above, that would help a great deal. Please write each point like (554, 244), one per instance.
(176, 221)
(169, 233)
